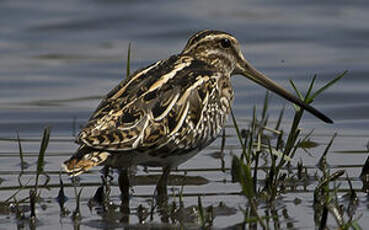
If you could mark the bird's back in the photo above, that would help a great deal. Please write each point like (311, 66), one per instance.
(174, 106)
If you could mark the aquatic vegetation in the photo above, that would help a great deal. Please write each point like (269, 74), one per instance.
(280, 174)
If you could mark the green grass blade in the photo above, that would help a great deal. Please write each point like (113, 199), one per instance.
(43, 147)
(244, 177)
(280, 118)
(20, 152)
(329, 84)
(265, 107)
(201, 212)
(128, 66)
(355, 225)
(311, 87)
(329, 144)
(239, 136)
(41, 155)
(77, 212)
(296, 90)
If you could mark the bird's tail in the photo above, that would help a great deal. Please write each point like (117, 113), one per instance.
(84, 159)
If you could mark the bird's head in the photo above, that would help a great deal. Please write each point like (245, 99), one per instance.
(222, 51)
(216, 48)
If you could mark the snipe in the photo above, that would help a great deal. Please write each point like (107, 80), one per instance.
(165, 113)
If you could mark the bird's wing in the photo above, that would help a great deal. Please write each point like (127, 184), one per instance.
(151, 106)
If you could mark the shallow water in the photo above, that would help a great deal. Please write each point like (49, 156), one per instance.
(58, 58)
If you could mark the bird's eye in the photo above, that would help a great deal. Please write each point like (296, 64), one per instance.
(226, 43)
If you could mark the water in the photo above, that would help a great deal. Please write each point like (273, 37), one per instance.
(58, 57)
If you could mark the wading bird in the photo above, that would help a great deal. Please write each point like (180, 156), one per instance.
(164, 114)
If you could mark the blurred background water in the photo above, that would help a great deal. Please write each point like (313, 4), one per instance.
(57, 58)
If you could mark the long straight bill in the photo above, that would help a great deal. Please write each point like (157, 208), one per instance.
(251, 73)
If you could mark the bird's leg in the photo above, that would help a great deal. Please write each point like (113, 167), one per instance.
(124, 185)
(162, 195)
(105, 171)
(161, 187)
(106, 181)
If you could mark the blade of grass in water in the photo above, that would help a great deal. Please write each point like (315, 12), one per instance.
(41, 156)
(296, 90)
(329, 84)
(128, 66)
(330, 144)
(240, 137)
(311, 87)
(20, 153)
(243, 172)
(265, 107)
(243, 176)
(77, 212)
(280, 119)
(323, 158)
(201, 212)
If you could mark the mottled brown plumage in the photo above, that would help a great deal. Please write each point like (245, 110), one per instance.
(165, 113)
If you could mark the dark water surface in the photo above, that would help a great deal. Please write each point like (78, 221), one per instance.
(58, 57)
